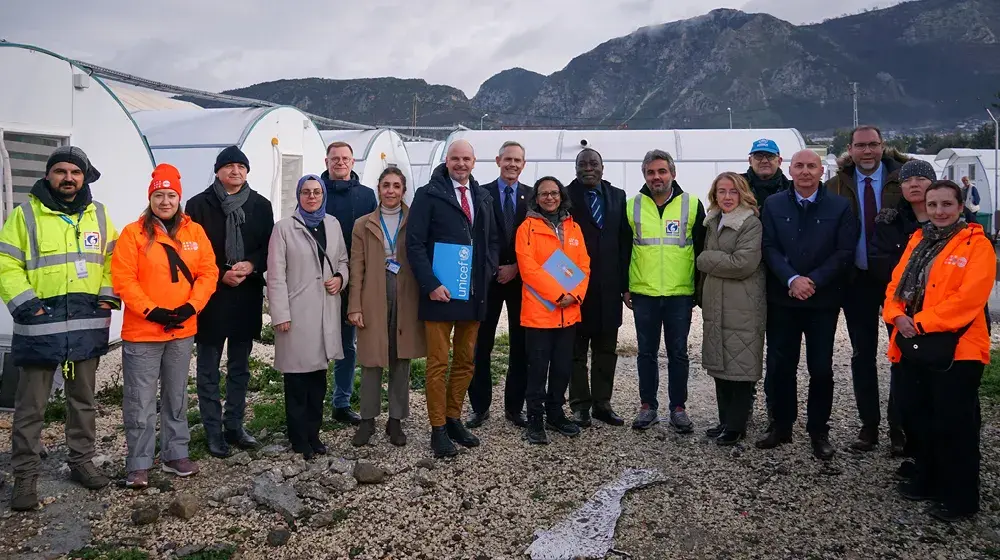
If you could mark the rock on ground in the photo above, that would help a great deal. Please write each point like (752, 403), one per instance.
(184, 506)
(367, 473)
(279, 497)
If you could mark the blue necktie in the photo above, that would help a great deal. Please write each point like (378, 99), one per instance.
(595, 208)
(508, 211)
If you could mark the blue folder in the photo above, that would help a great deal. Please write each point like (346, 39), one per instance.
(452, 267)
(562, 270)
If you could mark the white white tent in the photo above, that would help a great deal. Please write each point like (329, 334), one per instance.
(137, 99)
(374, 150)
(424, 157)
(980, 167)
(700, 155)
(46, 102)
(281, 143)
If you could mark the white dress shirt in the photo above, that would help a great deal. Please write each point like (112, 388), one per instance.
(468, 197)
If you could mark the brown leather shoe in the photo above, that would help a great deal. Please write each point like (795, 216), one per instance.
(89, 476)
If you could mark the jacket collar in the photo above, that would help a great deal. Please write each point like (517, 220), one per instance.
(734, 219)
(675, 191)
(375, 225)
(340, 185)
(891, 162)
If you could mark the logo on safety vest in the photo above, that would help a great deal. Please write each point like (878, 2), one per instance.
(960, 262)
(190, 245)
(91, 240)
(673, 228)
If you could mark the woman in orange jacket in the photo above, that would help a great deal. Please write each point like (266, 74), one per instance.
(936, 301)
(164, 270)
(550, 305)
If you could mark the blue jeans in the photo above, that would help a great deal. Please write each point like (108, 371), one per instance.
(343, 370)
(670, 315)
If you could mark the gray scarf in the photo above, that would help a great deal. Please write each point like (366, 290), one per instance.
(913, 282)
(232, 207)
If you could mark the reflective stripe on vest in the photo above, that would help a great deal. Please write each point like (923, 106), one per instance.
(681, 240)
(61, 327)
(37, 261)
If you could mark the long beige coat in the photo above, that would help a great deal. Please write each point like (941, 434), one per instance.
(367, 295)
(295, 293)
(734, 302)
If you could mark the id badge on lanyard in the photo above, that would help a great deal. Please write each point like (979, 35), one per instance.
(80, 263)
(391, 264)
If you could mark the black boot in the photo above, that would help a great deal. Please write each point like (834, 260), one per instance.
(441, 444)
(364, 433)
(460, 434)
(217, 446)
(557, 421)
(729, 437)
(535, 432)
(777, 436)
(240, 438)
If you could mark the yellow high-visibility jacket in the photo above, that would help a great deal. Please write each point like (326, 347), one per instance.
(60, 264)
(663, 246)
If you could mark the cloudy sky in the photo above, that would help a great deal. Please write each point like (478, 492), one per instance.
(224, 44)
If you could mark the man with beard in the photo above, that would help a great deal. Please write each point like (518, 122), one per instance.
(347, 201)
(509, 209)
(764, 175)
(238, 222)
(868, 178)
(599, 208)
(61, 302)
(451, 209)
(668, 234)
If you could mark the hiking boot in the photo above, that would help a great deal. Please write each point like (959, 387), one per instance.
(716, 431)
(346, 416)
(137, 479)
(89, 476)
(459, 434)
(181, 467)
(867, 439)
(729, 437)
(364, 433)
(516, 418)
(680, 421)
(441, 444)
(535, 432)
(558, 422)
(25, 496)
(646, 418)
(217, 446)
(395, 431)
(777, 436)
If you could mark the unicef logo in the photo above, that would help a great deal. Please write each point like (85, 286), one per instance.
(463, 253)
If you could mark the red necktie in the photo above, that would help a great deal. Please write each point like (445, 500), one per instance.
(871, 209)
(465, 202)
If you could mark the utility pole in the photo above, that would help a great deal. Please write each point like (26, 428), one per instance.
(854, 86)
(481, 119)
(996, 164)
(730, 109)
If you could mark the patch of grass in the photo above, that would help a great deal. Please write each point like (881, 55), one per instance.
(565, 504)
(113, 393)
(268, 414)
(992, 552)
(990, 387)
(221, 553)
(418, 374)
(198, 446)
(108, 552)
(193, 417)
(264, 378)
(356, 551)
(55, 410)
(537, 495)
(267, 334)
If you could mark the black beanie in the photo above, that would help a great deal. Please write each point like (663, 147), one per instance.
(232, 154)
(76, 156)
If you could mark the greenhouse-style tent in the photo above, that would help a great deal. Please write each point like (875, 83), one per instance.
(424, 156)
(374, 150)
(980, 166)
(700, 155)
(281, 143)
(46, 102)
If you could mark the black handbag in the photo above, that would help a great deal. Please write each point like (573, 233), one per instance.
(934, 351)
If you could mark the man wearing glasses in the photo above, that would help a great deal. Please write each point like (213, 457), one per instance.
(868, 177)
(764, 175)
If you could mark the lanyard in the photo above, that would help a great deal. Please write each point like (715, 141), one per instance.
(391, 240)
(76, 227)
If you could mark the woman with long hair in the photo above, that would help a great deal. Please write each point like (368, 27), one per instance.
(164, 270)
(306, 269)
(936, 302)
(550, 309)
(382, 304)
(734, 302)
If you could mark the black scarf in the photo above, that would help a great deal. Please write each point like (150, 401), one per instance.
(913, 282)
(44, 194)
(771, 186)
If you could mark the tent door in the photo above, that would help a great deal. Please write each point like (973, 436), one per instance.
(291, 172)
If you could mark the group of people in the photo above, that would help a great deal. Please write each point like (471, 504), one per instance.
(354, 278)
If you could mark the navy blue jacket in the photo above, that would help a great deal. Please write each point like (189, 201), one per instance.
(435, 216)
(347, 201)
(817, 243)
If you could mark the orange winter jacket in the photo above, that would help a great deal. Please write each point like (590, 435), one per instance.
(535, 243)
(959, 285)
(144, 279)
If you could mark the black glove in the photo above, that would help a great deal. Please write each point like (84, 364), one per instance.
(160, 315)
(183, 313)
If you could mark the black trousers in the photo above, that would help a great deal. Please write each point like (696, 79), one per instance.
(735, 399)
(594, 391)
(304, 393)
(785, 328)
(861, 310)
(944, 408)
(481, 388)
(894, 408)
(550, 360)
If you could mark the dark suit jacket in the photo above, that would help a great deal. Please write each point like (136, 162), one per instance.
(610, 251)
(521, 195)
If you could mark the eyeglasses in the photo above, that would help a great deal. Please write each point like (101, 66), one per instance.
(869, 146)
(554, 194)
(764, 156)
(308, 194)
(341, 159)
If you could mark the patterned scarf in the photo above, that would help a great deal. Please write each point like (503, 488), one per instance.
(913, 282)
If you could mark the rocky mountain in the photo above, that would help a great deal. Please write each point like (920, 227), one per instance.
(917, 63)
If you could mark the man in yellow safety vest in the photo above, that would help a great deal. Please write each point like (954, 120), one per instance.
(667, 235)
(55, 277)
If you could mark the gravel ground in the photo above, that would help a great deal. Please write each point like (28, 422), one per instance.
(487, 503)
